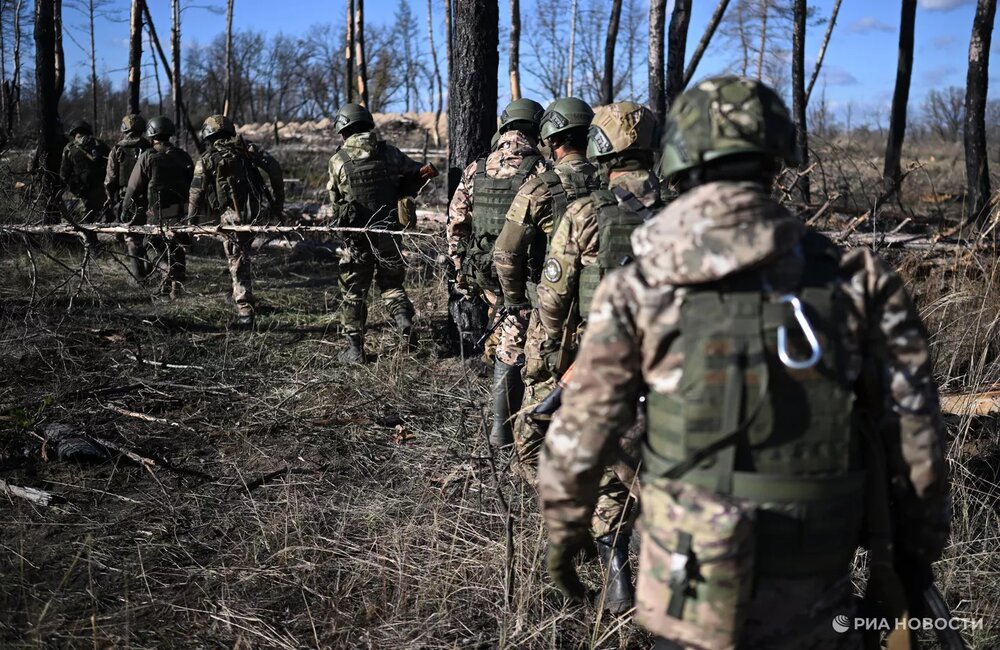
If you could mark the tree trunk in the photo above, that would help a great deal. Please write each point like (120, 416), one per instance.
(572, 46)
(472, 84)
(5, 90)
(822, 49)
(227, 107)
(60, 56)
(93, 63)
(175, 60)
(892, 172)
(437, 74)
(448, 35)
(156, 77)
(135, 56)
(765, 6)
(608, 82)
(349, 53)
(676, 50)
(799, 94)
(50, 135)
(706, 38)
(977, 167)
(515, 49)
(16, 84)
(359, 52)
(192, 131)
(657, 22)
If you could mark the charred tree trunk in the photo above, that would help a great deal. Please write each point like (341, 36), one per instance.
(227, 107)
(472, 89)
(156, 77)
(135, 56)
(799, 95)
(572, 46)
(437, 75)
(60, 52)
(608, 82)
(93, 63)
(515, 49)
(657, 23)
(48, 88)
(822, 49)
(349, 53)
(677, 49)
(977, 167)
(16, 83)
(192, 131)
(359, 52)
(175, 60)
(901, 96)
(706, 38)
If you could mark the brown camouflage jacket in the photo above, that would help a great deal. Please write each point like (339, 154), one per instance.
(632, 342)
(530, 216)
(503, 161)
(120, 153)
(362, 146)
(575, 244)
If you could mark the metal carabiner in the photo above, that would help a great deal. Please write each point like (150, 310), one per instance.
(807, 329)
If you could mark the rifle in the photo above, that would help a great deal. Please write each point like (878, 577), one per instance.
(502, 315)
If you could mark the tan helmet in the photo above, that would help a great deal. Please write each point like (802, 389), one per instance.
(133, 123)
(217, 126)
(621, 127)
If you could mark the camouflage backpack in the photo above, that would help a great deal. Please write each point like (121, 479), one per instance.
(237, 182)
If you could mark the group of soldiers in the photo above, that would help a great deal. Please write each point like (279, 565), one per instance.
(772, 393)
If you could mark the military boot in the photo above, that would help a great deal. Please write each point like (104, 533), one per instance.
(243, 321)
(404, 324)
(619, 595)
(355, 352)
(508, 392)
(138, 265)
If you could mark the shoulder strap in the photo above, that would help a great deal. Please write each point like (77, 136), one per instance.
(527, 164)
(481, 168)
(631, 202)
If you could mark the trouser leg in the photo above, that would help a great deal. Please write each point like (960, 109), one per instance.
(238, 254)
(357, 269)
(135, 251)
(390, 275)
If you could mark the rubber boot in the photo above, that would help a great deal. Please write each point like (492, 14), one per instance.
(404, 324)
(508, 392)
(355, 352)
(619, 595)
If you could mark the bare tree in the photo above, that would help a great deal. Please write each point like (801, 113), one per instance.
(48, 82)
(227, 107)
(549, 62)
(676, 49)
(799, 95)
(944, 113)
(572, 46)
(349, 52)
(977, 168)
(405, 33)
(514, 58)
(359, 51)
(176, 93)
(172, 74)
(91, 10)
(472, 91)
(900, 98)
(710, 29)
(764, 7)
(607, 83)
(437, 75)
(822, 50)
(135, 56)
(657, 24)
(448, 33)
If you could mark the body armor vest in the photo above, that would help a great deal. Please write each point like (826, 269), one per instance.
(744, 423)
(126, 156)
(373, 188)
(169, 178)
(619, 212)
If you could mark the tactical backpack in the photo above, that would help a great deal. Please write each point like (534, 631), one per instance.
(374, 189)
(492, 198)
(91, 163)
(752, 467)
(169, 179)
(619, 212)
(126, 156)
(237, 180)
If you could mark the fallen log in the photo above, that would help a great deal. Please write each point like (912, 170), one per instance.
(194, 231)
(974, 403)
(38, 497)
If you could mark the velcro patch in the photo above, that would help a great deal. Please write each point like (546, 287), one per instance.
(553, 270)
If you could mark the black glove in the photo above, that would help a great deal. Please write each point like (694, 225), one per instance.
(561, 563)
(551, 350)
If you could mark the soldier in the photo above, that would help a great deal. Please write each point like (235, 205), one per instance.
(591, 240)
(476, 216)
(228, 186)
(157, 194)
(755, 342)
(121, 161)
(368, 176)
(521, 246)
(84, 162)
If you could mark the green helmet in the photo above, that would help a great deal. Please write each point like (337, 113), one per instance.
(217, 126)
(351, 114)
(133, 123)
(726, 116)
(521, 114)
(161, 127)
(564, 114)
(494, 140)
(83, 126)
(620, 127)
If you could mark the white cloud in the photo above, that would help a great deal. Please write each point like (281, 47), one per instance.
(943, 5)
(870, 24)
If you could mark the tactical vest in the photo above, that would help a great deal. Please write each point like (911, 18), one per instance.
(492, 198)
(126, 156)
(90, 162)
(169, 178)
(743, 423)
(373, 188)
(237, 182)
(619, 213)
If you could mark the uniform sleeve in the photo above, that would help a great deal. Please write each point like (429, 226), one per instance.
(512, 246)
(561, 273)
(410, 180)
(195, 199)
(903, 392)
(111, 178)
(333, 185)
(599, 405)
(459, 227)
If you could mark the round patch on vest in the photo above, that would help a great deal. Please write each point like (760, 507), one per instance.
(553, 270)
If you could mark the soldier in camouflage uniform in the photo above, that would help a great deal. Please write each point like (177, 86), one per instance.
(157, 194)
(476, 216)
(520, 249)
(590, 241)
(121, 161)
(368, 176)
(84, 162)
(756, 342)
(228, 185)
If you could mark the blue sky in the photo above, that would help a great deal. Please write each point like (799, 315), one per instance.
(859, 70)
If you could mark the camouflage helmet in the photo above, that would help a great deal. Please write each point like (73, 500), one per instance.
(217, 126)
(564, 114)
(621, 127)
(521, 114)
(160, 127)
(726, 116)
(133, 123)
(351, 114)
(82, 126)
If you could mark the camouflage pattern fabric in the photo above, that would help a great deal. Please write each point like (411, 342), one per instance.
(371, 257)
(632, 341)
(84, 164)
(121, 160)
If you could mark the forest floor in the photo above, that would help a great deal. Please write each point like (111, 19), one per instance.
(296, 502)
